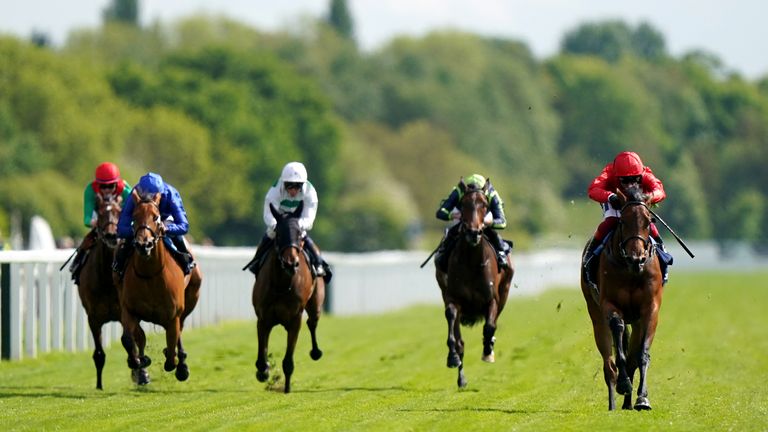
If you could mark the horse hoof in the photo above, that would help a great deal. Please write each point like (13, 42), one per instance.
(453, 360)
(140, 376)
(262, 376)
(642, 404)
(624, 387)
(490, 358)
(182, 372)
(462, 382)
(315, 354)
(144, 362)
(169, 365)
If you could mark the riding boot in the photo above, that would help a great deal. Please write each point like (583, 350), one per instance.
(261, 250)
(590, 263)
(81, 255)
(319, 264)
(498, 245)
(187, 262)
(121, 258)
(444, 250)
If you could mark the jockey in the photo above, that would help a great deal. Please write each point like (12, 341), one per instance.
(495, 220)
(626, 170)
(107, 183)
(285, 195)
(172, 215)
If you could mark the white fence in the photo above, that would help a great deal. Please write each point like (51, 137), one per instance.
(41, 310)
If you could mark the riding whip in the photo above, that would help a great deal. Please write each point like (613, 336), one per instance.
(429, 257)
(68, 259)
(679, 240)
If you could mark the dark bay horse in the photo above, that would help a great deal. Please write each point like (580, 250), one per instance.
(155, 289)
(474, 287)
(97, 290)
(284, 289)
(630, 289)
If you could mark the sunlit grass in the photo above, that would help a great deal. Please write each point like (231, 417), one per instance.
(387, 372)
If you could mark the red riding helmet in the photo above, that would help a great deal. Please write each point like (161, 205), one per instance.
(107, 173)
(628, 164)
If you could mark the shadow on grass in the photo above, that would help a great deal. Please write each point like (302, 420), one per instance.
(476, 409)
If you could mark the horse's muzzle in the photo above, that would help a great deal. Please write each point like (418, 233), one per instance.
(474, 237)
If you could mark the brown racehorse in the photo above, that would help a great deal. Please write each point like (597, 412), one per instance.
(284, 289)
(97, 290)
(474, 287)
(155, 289)
(630, 288)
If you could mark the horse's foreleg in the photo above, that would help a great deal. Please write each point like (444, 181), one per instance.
(451, 316)
(262, 366)
(141, 376)
(462, 380)
(293, 335)
(644, 358)
(182, 369)
(99, 358)
(489, 330)
(129, 329)
(314, 308)
(171, 341)
(616, 324)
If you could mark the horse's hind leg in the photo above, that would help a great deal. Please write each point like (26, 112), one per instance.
(314, 308)
(293, 335)
(99, 358)
(262, 366)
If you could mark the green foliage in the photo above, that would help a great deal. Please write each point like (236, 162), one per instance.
(341, 20)
(123, 11)
(612, 40)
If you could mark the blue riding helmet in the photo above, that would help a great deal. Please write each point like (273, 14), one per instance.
(151, 183)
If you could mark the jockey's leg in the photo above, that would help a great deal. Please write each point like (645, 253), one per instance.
(261, 251)
(665, 259)
(188, 261)
(498, 244)
(82, 253)
(444, 250)
(321, 266)
(590, 255)
(124, 250)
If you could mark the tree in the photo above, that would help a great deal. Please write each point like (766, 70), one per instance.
(123, 11)
(340, 19)
(612, 40)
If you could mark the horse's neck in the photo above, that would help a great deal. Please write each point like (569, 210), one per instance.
(158, 259)
(472, 254)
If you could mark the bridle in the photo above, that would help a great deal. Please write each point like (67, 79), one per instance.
(101, 227)
(647, 244)
(473, 205)
(156, 235)
(289, 266)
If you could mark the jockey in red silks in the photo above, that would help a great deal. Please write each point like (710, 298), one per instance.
(107, 183)
(626, 170)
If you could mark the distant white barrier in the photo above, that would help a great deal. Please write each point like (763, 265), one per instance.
(40, 310)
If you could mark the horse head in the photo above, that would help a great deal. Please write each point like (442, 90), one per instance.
(288, 238)
(474, 206)
(634, 231)
(108, 210)
(147, 226)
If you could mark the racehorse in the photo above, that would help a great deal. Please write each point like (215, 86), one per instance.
(155, 289)
(630, 288)
(474, 287)
(284, 288)
(97, 290)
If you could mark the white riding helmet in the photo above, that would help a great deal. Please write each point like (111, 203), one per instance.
(294, 172)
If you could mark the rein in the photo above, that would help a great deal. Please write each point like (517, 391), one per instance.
(647, 244)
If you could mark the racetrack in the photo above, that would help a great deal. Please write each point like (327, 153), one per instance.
(387, 372)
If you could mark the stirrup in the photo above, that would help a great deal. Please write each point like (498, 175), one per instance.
(501, 257)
